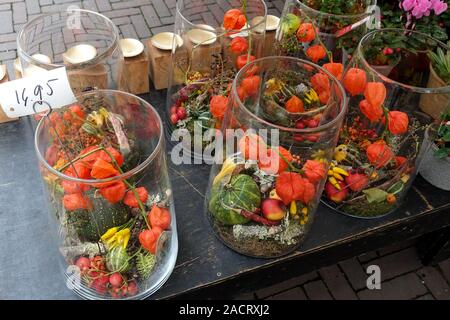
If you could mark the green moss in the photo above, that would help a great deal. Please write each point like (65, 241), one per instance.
(368, 210)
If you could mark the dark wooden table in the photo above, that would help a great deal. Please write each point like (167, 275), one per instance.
(205, 267)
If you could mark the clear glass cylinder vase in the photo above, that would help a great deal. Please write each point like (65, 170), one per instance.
(278, 138)
(213, 41)
(306, 26)
(83, 41)
(390, 106)
(104, 169)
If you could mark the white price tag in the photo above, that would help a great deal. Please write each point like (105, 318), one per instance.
(18, 97)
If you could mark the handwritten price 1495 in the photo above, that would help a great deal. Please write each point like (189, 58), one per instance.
(39, 92)
(36, 93)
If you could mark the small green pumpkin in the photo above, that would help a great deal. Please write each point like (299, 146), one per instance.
(91, 225)
(241, 192)
(118, 260)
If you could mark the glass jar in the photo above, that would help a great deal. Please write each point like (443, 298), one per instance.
(390, 107)
(278, 134)
(104, 170)
(85, 42)
(213, 43)
(340, 24)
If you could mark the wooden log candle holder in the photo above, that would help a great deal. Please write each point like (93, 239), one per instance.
(160, 65)
(133, 76)
(4, 78)
(202, 56)
(92, 77)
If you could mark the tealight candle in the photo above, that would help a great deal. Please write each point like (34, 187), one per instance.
(202, 35)
(79, 54)
(164, 40)
(131, 47)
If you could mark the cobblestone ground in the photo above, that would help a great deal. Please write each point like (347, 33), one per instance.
(403, 276)
(135, 18)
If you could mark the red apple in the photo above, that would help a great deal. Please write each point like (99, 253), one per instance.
(356, 181)
(334, 194)
(273, 209)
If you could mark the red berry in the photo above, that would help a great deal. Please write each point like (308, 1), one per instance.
(115, 293)
(300, 124)
(312, 123)
(97, 263)
(124, 291)
(83, 263)
(181, 113)
(132, 288)
(173, 110)
(99, 284)
(174, 118)
(115, 279)
(298, 138)
(312, 138)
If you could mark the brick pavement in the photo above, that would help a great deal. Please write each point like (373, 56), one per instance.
(403, 276)
(134, 18)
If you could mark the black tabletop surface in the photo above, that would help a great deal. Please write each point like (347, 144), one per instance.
(28, 263)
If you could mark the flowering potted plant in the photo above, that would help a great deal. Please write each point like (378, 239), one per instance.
(436, 165)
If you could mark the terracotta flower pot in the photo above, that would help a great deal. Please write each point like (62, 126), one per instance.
(436, 171)
(434, 104)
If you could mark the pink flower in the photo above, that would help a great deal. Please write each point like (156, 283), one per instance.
(438, 6)
(408, 4)
(422, 8)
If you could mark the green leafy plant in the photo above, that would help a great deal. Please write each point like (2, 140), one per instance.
(338, 6)
(441, 64)
(442, 140)
(385, 49)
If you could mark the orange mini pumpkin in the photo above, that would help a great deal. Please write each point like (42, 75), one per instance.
(373, 113)
(294, 105)
(239, 45)
(316, 52)
(314, 170)
(355, 81)
(398, 122)
(306, 32)
(234, 19)
(336, 69)
(218, 106)
(375, 93)
(320, 82)
(379, 154)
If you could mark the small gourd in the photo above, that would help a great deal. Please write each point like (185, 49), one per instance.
(241, 193)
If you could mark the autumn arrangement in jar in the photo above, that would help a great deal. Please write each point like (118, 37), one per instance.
(284, 114)
(378, 152)
(205, 64)
(309, 27)
(103, 166)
